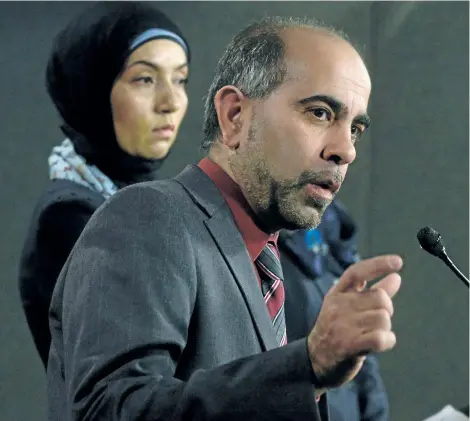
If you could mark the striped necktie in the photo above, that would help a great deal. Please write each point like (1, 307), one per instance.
(272, 287)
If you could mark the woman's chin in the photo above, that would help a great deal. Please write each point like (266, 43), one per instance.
(158, 150)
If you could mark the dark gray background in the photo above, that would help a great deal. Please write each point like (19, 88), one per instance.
(412, 170)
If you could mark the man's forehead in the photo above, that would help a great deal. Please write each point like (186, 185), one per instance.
(314, 53)
(349, 83)
(353, 94)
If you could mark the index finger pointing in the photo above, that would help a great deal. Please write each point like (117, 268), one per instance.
(367, 270)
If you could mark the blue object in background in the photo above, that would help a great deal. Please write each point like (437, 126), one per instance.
(315, 243)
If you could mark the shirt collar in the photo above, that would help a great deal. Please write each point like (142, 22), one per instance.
(255, 239)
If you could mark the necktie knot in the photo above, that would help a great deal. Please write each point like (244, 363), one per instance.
(270, 261)
(272, 287)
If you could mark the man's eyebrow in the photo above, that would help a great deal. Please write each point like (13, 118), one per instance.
(335, 104)
(362, 119)
(338, 107)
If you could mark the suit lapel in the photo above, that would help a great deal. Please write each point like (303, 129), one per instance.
(224, 231)
(233, 250)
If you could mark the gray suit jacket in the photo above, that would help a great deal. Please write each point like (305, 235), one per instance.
(158, 315)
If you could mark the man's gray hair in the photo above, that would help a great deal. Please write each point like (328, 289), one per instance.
(254, 63)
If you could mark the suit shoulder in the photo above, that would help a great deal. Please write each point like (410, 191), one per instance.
(162, 193)
(159, 202)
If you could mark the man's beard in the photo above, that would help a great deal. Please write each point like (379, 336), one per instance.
(288, 207)
(279, 204)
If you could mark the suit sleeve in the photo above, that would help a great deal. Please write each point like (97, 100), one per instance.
(128, 293)
(59, 226)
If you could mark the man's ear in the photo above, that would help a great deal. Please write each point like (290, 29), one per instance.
(229, 102)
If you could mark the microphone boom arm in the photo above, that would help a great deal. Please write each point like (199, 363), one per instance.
(454, 268)
(431, 241)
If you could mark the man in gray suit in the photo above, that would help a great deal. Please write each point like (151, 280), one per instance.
(171, 305)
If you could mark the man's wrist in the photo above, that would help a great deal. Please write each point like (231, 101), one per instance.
(316, 378)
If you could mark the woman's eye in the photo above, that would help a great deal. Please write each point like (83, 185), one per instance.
(144, 80)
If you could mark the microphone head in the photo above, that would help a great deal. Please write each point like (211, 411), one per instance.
(431, 241)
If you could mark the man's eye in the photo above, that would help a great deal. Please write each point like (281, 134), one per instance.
(181, 81)
(321, 113)
(356, 132)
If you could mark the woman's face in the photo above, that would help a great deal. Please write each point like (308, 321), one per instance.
(149, 100)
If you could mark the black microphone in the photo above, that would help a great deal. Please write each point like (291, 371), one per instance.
(431, 241)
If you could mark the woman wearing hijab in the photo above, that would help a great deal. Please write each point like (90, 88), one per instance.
(117, 76)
